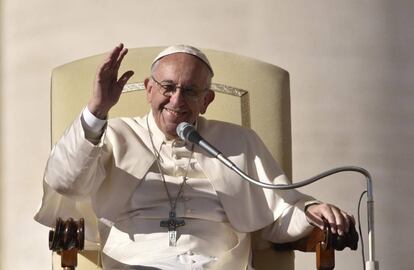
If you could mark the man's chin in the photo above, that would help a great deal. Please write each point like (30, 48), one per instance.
(170, 130)
(170, 126)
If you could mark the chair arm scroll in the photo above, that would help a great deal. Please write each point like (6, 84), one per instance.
(324, 243)
(67, 239)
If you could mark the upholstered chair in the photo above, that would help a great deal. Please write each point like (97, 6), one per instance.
(249, 92)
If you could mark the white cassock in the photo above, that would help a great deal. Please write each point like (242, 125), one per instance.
(116, 179)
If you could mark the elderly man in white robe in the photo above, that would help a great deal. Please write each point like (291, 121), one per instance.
(161, 202)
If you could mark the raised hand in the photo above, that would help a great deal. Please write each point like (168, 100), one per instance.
(107, 87)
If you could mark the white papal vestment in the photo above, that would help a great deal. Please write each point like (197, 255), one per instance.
(117, 175)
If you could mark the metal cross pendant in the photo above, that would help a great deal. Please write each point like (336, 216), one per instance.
(172, 223)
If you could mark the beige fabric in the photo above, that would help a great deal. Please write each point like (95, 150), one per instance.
(267, 106)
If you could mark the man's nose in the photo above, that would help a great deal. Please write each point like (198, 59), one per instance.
(178, 96)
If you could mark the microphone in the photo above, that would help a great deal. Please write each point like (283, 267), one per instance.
(187, 132)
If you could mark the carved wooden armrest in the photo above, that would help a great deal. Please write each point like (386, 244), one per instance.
(324, 243)
(67, 239)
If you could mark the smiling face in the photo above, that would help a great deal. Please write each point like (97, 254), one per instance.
(186, 71)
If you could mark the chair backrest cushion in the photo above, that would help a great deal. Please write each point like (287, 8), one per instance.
(248, 92)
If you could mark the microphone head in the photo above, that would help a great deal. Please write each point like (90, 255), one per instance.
(184, 129)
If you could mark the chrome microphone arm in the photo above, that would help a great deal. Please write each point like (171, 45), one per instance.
(371, 263)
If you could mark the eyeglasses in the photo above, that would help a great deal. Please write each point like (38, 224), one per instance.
(169, 89)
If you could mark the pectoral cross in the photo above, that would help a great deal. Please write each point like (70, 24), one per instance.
(172, 223)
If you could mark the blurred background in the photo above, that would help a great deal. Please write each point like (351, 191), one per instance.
(352, 89)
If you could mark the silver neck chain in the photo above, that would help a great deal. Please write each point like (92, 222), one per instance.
(173, 203)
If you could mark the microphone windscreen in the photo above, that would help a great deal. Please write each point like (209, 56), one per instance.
(184, 129)
(188, 132)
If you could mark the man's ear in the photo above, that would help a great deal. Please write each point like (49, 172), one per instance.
(208, 98)
(148, 89)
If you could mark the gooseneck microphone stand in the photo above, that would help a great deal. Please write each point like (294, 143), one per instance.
(187, 132)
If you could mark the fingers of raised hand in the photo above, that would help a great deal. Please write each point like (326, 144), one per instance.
(121, 55)
(107, 75)
(124, 79)
(114, 59)
(107, 86)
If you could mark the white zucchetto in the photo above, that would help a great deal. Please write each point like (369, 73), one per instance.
(184, 49)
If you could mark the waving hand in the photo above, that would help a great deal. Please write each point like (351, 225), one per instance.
(108, 87)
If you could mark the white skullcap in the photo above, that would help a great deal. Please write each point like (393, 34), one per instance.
(184, 49)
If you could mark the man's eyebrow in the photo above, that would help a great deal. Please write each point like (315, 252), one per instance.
(168, 81)
(173, 82)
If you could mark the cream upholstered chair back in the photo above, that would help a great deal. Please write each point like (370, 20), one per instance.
(248, 92)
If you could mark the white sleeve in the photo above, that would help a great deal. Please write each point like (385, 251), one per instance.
(291, 225)
(91, 122)
(92, 126)
(76, 164)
